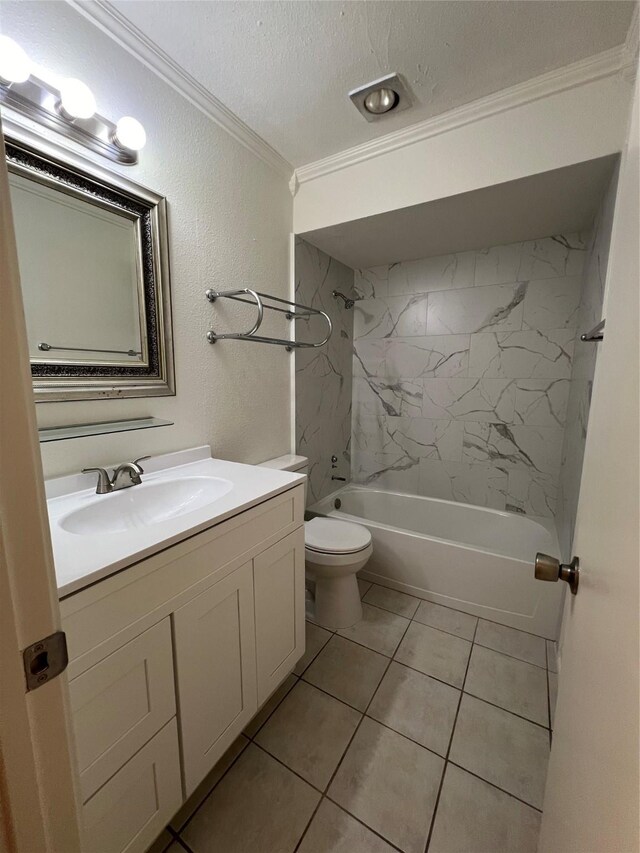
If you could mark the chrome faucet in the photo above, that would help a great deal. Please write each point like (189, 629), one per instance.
(124, 476)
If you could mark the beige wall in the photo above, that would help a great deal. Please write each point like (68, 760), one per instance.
(569, 127)
(229, 224)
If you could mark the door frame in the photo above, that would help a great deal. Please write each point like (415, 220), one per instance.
(39, 794)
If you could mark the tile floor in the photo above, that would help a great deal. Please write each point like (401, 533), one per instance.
(419, 729)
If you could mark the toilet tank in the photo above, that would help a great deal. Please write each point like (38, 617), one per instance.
(290, 462)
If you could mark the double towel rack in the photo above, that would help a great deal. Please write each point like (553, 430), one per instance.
(262, 301)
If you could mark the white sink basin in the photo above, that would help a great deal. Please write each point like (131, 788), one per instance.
(145, 505)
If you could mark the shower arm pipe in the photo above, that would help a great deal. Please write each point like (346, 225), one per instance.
(348, 303)
(295, 311)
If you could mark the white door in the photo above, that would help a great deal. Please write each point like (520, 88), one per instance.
(592, 795)
(38, 794)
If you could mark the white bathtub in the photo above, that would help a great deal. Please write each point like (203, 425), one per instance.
(470, 558)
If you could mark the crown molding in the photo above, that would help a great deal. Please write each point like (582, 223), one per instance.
(108, 19)
(606, 64)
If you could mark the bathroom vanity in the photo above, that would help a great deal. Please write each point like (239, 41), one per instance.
(178, 629)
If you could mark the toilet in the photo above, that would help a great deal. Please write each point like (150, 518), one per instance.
(334, 551)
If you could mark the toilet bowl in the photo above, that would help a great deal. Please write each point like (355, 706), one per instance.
(334, 551)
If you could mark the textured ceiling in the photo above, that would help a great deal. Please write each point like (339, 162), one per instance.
(285, 67)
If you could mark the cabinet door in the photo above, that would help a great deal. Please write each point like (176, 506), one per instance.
(278, 577)
(132, 808)
(214, 648)
(120, 703)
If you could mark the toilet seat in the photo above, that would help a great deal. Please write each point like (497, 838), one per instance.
(334, 536)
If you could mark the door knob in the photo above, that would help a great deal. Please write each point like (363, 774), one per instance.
(549, 569)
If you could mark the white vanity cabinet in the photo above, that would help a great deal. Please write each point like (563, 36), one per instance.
(170, 659)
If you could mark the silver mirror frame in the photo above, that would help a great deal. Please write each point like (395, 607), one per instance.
(29, 153)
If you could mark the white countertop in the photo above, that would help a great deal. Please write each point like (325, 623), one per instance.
(83, 559)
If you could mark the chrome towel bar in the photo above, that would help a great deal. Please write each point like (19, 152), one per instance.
(261, 301)
(44, 347)
(596, 334)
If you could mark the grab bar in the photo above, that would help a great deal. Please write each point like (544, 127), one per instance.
(295, 311)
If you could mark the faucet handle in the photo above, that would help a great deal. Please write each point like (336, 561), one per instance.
(104, 483)
(139, 460)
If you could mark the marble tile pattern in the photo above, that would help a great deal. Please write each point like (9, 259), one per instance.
(462, 368)
(583, 369)
(323, 376)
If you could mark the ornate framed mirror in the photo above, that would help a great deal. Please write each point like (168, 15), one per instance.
(94, 267)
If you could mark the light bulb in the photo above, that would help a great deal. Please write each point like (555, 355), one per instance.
(76, 99)
(130, 134)
(15, 66)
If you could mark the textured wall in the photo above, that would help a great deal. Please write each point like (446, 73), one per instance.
(461, 373)
(229, 225)
(584, 365)
(323, 376)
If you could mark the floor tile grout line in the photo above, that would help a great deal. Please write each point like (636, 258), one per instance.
(428, 674)
(377, 607)
(502, 625)
(475, 642)
(195, 811)
(346, 749)
(507, 710)
(337, 698)
(251, 740)
(446, 758)
(309, 822)
(389, 657)
(362, 823)
(176, 833)
(402, 734)
(455, 610)
(286, 767)
(507, 655)
(388, 610)
(375, 690)
(493, 785)
(373, 695)
(442, 630)
(320, 650)
(272, 712)
(176, 837)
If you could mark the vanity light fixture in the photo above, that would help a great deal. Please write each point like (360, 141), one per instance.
(14, 62)
(76, 99)
(69, 109)
(381, 97)
(130, 134)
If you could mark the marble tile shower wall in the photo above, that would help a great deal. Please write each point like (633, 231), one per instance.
(461, 373)
(583, 369)
(323, 376)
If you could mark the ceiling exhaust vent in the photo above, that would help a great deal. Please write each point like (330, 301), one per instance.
(381, 97)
